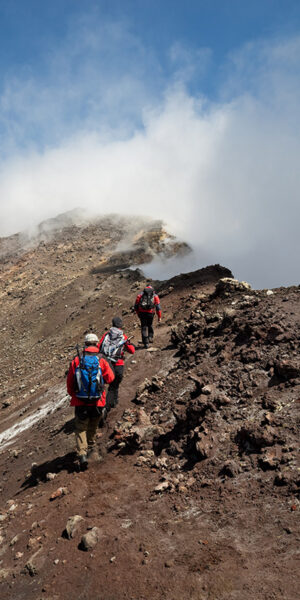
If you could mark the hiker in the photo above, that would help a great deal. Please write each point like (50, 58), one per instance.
(146, 304)
(85, 384)
(112, 346)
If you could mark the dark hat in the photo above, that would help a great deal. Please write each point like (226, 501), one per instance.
(117, 322)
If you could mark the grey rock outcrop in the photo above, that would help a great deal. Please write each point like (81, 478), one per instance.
(90, 539)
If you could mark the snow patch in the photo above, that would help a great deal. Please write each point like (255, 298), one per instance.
(7, 436)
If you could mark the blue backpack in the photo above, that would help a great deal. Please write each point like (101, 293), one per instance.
(89, 379)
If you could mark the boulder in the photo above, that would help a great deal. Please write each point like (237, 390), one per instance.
(270, 458)
(230, 469)
(90, 539)
(141, 460)
(162, 486)
(228, 285)
(204, 443)
(252, 437)
(132, 433)
(178, 333)
(142, 420)
(142, 392)
(287, 369)
(62, 491)
(221, 399)
(274, 331)
(73, 526)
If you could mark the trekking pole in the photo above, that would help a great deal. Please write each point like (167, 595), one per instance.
(78, 372)
(129, 338)
(124, 342)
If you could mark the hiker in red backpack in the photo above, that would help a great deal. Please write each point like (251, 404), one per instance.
(85, 384)
(146, 304)
(112, 346)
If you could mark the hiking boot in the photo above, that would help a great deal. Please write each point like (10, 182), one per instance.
(83, 462)
(93, 454)
(146, 345)
(150, 340)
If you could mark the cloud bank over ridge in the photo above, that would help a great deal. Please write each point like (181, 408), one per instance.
(222, 172)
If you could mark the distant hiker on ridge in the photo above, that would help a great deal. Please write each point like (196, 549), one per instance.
(147, 302)
(112, 346)
(85, 384)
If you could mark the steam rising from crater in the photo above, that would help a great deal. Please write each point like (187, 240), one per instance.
(224, 175)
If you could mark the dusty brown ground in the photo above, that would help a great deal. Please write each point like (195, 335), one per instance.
(217, 427)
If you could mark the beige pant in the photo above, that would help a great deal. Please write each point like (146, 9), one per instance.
(86, 423)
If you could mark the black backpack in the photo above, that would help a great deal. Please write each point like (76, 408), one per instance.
(147, 299)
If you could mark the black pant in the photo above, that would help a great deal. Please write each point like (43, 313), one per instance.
(113, 388)
(88, 412)
(146, 327)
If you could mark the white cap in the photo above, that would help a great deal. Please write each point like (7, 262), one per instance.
(91, 338)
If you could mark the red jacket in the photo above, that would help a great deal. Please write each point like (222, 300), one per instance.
(138, 309)
(127, 346)
(107, 373)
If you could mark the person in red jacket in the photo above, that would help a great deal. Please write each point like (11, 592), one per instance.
(112, 346)
(87, 412)
(146, 304)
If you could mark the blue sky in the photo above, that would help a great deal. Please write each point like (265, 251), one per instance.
(54, 46)
(29, 28)
(150, 107)
(30, 31)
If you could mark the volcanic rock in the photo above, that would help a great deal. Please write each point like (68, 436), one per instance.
(36, 562)
(90, 539)
(162, 486)
(73, 526)
(228, 285)
(287, 369)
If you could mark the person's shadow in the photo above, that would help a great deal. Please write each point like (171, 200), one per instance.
(58, 464)
(67, 428)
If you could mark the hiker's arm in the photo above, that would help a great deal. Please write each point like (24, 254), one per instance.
(70, 379)
(136, 306)
(157, 307)
(107, 372)
(129, 347)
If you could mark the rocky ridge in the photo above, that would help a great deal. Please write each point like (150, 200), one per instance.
(229, 409)
(197, 494)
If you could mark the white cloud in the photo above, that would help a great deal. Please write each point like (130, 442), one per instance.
(189, 63)
(224, 176)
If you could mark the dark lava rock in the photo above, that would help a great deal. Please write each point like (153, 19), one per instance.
(287, 369)
(230, 468)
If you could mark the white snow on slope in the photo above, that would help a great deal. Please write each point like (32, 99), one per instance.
(7, 437)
